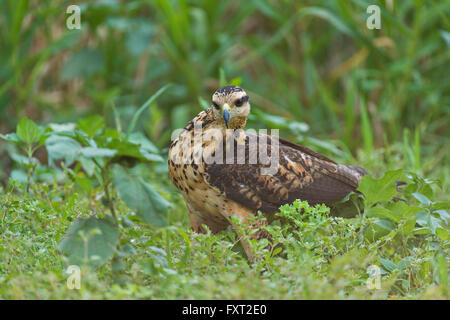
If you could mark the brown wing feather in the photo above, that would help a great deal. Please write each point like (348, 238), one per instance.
(302, 174)
(304, 150)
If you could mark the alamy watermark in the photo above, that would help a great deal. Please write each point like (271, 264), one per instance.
(74, 279)
(217, 146)
(74, 20)
(374, 20)
(374, 280)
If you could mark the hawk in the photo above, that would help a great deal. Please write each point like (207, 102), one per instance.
(223, 171)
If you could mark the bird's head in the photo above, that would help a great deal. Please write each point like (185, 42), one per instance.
(231, 106)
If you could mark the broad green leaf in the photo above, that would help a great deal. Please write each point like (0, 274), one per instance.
(426, 220)
(388, 265)
(422, 199)
(380, 228)
(379, 190)
(11, 137)
(88, 165)
(438, 205)
(149, 205)
(92, 152)
(90, 240)
(147, 148)
(401, 210)
(140, 139)
(91, 125)
(385, 224)
(28, 131)
(111, 134)
(381, 212)
(60, 147)
(409, 225)
(443, 234)
(443, 214)
(84, 182)
(23, 160)
(126, 149)
(126, 222)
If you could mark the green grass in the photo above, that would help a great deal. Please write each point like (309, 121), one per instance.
(374, 98)
(313, 257)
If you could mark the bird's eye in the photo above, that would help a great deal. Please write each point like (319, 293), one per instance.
(215, 105)
(240, 102)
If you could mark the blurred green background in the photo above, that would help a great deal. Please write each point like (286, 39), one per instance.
(312, 69)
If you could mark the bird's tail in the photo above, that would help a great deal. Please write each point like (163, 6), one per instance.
(359, 170)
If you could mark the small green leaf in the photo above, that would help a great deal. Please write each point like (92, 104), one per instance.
(117, 264)
(28, 131)
(426, 220)
(126, 222)
(236, 82)
(422, 199)
(380, 228)
(91, 125)
(126, 250)
(90, 240)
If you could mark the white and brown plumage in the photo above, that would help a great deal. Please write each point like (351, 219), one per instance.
(214, 192)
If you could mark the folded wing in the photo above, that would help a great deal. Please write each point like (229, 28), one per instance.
(300, 173)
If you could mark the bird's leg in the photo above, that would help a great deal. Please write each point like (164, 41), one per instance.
(195, 220)
(244, 242)
(196, 223)
(256, 233)
(198, 219)
(246, 225)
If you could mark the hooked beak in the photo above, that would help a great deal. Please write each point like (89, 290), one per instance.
(226, 113)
